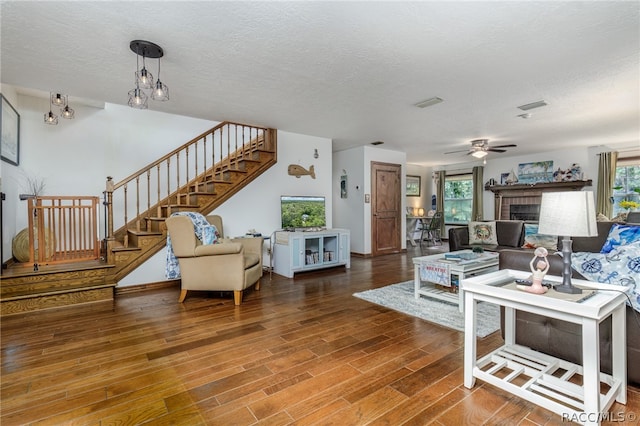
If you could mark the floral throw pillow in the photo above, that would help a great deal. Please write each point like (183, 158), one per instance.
(534, 240)
(210, 234)
(621, 235)
(482, 233)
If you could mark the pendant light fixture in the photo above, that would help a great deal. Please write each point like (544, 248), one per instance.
(143, 78)
(50, 118)
(61, 101)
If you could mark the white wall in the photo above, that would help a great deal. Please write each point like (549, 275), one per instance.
(353, 213)
(426, 187)
(348, 212)
(497, 164)
(562, 159)
(76, 156)
(8, 186)
(257, 206)
(426, 190)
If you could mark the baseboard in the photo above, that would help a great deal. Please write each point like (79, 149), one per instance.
(120, 291)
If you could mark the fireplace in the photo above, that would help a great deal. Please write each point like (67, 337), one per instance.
(527, 195)
(524, 212)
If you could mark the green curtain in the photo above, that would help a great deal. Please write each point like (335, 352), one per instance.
(476, 203)
(440, 176)
(606, 181)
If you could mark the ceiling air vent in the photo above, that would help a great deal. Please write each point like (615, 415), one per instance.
(532, 105)
(428, 102)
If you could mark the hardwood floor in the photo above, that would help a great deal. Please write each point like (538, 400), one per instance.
(300, 351)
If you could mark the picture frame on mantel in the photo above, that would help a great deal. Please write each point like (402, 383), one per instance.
(413, 186)
(10, 132)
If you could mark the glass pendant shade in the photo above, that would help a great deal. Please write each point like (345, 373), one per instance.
(144, 78)
(50, 118)
(160, 92)
(138, 99)
(57, 99)
(67, 112)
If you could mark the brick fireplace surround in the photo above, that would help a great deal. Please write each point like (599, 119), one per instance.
(527, 194)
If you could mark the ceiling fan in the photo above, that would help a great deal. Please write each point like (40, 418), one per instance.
(480, 148)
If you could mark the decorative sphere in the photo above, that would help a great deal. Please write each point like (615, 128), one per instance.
(541, 252)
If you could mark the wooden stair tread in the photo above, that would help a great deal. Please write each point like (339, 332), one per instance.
(186, 206)
(27, 269)
(147, 233)
(200, 193)
(115, 249)
(53, 293)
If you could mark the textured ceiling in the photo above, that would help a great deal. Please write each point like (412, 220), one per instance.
(352, 71)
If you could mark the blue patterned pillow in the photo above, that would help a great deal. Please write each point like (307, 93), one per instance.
(621, 235)
(210, 234)
(621, 266)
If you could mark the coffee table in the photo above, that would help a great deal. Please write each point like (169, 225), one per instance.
(451, 272)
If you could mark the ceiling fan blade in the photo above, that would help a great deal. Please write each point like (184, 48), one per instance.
(454, 152)
(496, 150)
(504, 146)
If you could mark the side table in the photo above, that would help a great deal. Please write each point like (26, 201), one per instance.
(540, 378)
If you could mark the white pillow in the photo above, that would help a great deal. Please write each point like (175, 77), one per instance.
(482, 233)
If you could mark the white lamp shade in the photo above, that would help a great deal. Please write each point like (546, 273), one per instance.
(570, 214)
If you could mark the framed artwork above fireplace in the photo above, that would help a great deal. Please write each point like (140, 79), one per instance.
(539, 171)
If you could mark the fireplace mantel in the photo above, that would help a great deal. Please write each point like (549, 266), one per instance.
(574, 185)
(505, 195)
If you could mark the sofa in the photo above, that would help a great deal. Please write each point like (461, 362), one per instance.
(510, 235)
(562, 339)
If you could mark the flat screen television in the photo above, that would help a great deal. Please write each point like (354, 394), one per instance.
(299, 212)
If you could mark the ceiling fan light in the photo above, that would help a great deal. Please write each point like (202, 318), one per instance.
(479, 154)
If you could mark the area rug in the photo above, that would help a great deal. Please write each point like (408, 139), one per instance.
(400, 297)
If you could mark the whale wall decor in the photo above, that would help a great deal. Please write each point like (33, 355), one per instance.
(297, 171)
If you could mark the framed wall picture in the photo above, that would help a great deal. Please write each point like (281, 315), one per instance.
(413, 186)
(10, 126)
(503, 178)
(540, 171)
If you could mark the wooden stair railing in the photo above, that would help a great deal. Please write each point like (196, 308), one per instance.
(198, 176)
(62, 229)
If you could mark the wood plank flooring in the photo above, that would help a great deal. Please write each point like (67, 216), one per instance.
(300, 351)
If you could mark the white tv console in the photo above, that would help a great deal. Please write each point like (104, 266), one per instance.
(304, 251)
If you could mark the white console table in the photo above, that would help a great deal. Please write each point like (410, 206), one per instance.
(540, 378)
(304, 251)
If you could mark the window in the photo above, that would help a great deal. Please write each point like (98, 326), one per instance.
(458, 199)
(627, 183)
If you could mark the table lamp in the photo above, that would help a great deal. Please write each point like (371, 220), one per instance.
(568, 214)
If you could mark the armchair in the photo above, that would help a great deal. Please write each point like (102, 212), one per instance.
(231, 265)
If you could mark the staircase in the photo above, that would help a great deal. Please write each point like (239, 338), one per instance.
(198, 176)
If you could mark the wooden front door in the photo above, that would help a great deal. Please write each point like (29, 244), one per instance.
(385, 208)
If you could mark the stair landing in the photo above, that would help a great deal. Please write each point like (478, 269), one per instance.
(23, 290)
